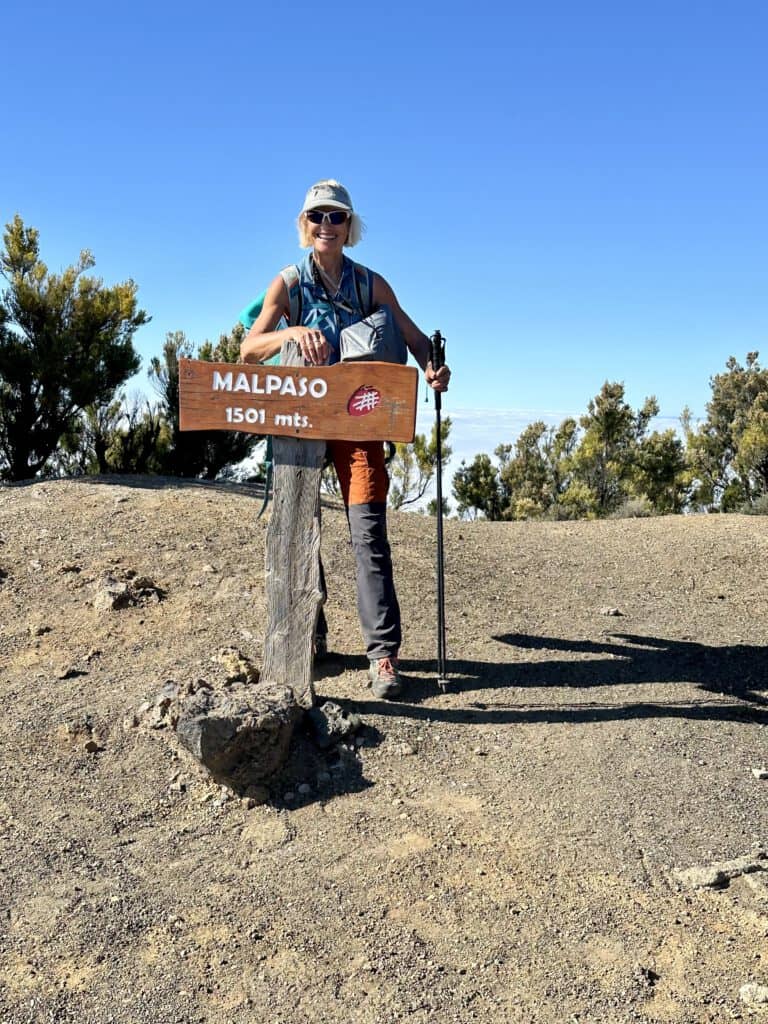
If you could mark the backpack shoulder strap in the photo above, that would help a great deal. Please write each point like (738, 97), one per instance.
(290, 276)
(363, 287)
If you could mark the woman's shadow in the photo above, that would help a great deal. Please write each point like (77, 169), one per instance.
(736, 673)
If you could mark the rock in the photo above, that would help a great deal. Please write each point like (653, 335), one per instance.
(145, 591)
(331, 724)
(112, 595)
(239, 669)
(239, 732)
(758, 883)
(39, 630)
(305, 789)
(760, 773)
(717, 875)
(71, 672)
(753, 994)
(610, 611)
(160, 710)
(92, 746)
(646, 976)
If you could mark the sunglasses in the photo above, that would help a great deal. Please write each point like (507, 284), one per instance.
(321, 216)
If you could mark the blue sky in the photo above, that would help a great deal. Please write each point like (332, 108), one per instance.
(570, 192)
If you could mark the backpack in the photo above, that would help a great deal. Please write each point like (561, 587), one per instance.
(363, 279)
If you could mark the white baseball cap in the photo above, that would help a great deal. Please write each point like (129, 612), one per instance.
(327, 193)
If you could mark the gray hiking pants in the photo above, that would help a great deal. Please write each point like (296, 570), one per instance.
(364, 482)
(377, 604)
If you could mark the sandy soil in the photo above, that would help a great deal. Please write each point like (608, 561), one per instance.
(501, 853)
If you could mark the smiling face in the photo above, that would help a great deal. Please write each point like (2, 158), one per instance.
(326, 237)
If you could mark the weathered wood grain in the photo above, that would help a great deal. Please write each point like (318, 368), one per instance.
(293, 588)
(348, 401)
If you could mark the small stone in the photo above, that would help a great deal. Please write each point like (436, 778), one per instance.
(304, 789)
(753, 994)
(239, 669)
(480, 752)
(758, 883)
(606, 610)
(760, 773)
(289, 796)
(92, 747)
(702, 878)
(130, 722)
(209, 569)
(715, 876)
(112, 595)
(323, 778)
(406, 750)
(71, 672)
(331, 724)
(40, 630)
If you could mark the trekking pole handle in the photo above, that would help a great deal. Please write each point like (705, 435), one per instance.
(437, 350)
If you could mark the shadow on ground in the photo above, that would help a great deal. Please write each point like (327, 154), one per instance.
(736, 674)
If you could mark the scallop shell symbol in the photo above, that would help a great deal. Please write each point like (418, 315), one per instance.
(364, 400)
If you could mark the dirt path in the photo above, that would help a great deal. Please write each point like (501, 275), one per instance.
(501, 853)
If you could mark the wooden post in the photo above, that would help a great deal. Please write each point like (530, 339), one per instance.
(292, 579)
(301, 407)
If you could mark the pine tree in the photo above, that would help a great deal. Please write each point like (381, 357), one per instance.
(66, 342)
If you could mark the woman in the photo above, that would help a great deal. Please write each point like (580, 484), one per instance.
(329, 289)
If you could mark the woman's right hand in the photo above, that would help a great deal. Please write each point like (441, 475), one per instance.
(312, 344)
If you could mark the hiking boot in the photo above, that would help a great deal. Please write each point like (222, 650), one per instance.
(385, 679)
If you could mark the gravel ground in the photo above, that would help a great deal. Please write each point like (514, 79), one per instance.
(505, 852)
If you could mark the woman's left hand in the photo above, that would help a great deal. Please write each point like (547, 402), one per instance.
(438, 381)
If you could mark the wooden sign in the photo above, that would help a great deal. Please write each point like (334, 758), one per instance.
(357, 401)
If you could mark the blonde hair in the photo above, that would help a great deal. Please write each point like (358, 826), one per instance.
(355, 225)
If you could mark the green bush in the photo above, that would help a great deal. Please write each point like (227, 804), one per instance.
(758, 507)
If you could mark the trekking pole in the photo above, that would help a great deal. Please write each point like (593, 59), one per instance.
(437, 358)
